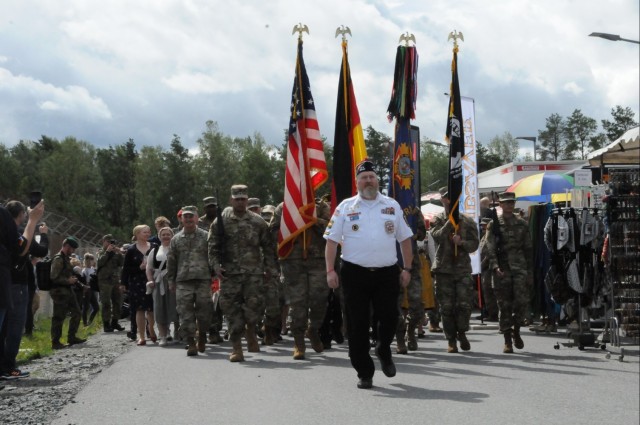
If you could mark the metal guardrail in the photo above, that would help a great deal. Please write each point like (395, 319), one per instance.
(88, 237)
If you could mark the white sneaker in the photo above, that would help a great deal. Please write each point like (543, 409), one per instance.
(163, 341)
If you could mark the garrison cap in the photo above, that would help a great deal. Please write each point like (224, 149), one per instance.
(239, 191)
(71, 241)
(189, 209)
(253, 203)
(364, 165)
(507, 196)
(210, 200)
(444, 192)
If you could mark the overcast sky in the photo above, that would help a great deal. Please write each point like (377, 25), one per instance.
(111, 70)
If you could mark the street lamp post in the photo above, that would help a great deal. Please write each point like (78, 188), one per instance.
(532, 139)
(612, 37)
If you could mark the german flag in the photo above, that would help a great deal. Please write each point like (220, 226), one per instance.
(348, 143)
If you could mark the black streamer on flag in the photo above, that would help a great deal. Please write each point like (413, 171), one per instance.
(455, 138)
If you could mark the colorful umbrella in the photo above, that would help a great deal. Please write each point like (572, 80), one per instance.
(540, 187)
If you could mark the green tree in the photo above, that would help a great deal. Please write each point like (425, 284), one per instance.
(260, 166)
(434, 164)
(598, 141)
(552, 139)
(151, 187)
(11, 171)
(579, 130)
(623, 120)
(379, 151)
(215, 166)
(504, 147)
(69, 180)
(116, 167)
(486, 160)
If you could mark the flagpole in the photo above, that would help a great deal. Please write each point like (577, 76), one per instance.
(455, 138)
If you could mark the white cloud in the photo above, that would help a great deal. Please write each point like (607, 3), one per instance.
(155, 68)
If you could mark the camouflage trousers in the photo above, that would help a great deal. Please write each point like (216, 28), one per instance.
(415, 312)
(488, 294)
(271, 296)
(64, 302)
(512, 295)
(193, 302)
(454, 294)
(307, 292)
(111, 302)
(241, 298)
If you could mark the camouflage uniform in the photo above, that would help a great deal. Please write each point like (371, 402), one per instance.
(306, 279)
(512, 290)
(64, 299)
(453, 283)
(248, 252)
(489, 298)
(109, 268)
(188, 269)
(415, 312)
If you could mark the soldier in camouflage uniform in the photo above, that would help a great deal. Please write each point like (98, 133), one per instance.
(110, 261)
(452, 273)
(243, 260)
(488, 297)
(189, 274)
(210, 210)
(64, 299)
(305, 277)
(512, 268)
(411, 317)
(271, 290)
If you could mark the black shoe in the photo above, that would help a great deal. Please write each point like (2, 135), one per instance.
(338, 337)
(107, 329)
(57, 345)
(116, 326)
(388, 368)
(365, 383)
(76, 340)
(131, 336)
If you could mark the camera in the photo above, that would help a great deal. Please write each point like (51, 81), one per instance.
(113, 242)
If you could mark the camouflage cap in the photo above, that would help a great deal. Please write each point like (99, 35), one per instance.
(107, 237)
(71, 241)
(239, 191)
(210, 200)
(444, 192)
(268, 209)
(507, 197)
(189, 209)
(253, 203)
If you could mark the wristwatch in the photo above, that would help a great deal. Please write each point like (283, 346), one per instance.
(408, 269)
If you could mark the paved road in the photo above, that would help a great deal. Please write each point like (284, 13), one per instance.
(154, 385)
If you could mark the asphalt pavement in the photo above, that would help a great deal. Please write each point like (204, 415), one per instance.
(546, 382)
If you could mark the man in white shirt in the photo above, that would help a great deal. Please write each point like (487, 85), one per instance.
(368, 226)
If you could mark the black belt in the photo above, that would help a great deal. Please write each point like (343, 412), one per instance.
(371, 269)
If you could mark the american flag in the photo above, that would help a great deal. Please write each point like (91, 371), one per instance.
(306, 165)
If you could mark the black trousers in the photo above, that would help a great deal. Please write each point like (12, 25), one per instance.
(369, 293)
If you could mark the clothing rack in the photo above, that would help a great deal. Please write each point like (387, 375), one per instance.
(622, 219)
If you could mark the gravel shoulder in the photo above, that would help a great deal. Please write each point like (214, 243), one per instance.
(54, 381)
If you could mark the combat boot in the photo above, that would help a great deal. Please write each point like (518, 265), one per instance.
(236, 354)
(268, 336)
(517, 340)
(192, 350)
(215, 338)
(316, 342)
(252, 339)
(298, 347)
(464, 342)
(401, 347)
(452, 346)
(412, 343)
(107, 328)
(116, 326)
(202, 340)
(508, 345)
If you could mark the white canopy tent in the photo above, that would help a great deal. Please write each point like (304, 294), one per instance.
(625, 150)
